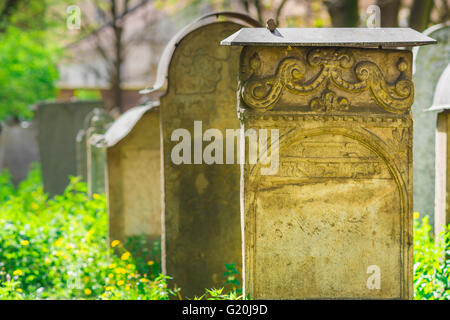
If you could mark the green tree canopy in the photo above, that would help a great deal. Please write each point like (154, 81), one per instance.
(27, 71)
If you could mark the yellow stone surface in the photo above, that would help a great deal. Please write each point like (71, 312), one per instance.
(340, 205)
(134, 181)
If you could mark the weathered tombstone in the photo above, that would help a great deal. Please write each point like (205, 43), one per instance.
(99, 122)
(429, 62)
(81, 148)
(441, 105)
(58, 124)
(133, 174)
(332, 216)
(197, 81)
(19, 149)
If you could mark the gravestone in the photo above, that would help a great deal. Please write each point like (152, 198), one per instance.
(19, 149)
(429, 62)
(99, 122)
(81, 148)
(197, 81)
(58, 124)
(441, 105)
(133, 158)
(332, 215)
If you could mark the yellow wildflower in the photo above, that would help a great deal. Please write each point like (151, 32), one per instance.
(86, 279)
(34, 206)
(96, 196)
(120, 270)
(144, 280)
(18, 272)
(110, 275)
(416, 215)
(125, 256)
(24, 242)
(19, 290)
(130, 266)
(115, 243)
(151, 262)
(59, 242)
(87, 291)
(109, 288)
(120, 282)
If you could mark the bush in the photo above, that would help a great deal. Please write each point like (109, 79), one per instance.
(57, 248)
(431, 262)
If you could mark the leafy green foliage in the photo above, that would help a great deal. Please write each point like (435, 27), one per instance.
(28, 71)
(431, 262)
(57, 248)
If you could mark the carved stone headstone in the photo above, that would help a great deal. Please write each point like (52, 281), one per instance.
(201, 228)
(19, 149)
(99, 122)
(429, 62)
(133, 174)
(441, 104)
(58, 124)
(333, 217)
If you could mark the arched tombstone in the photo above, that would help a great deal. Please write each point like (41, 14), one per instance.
(441, 106)
(58, 125)
(197, 82)
(96, 153)
(133, 187)
(429, 62)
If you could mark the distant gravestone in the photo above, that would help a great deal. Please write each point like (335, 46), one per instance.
(441, 105)
(99, 122)
(429, 62)
(81, 148)
(19, 149)
(133, 174)
(58, 125)
(201, 224)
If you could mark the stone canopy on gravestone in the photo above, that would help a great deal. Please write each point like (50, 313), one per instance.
(332, 215)
(58, 124)
(429, 62)
(197, 83)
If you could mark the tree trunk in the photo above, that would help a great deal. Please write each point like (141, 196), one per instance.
(389, 12)
(420, 14)
(343, 13)
(117, 72)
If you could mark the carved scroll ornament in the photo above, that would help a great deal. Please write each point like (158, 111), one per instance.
(263, 93)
